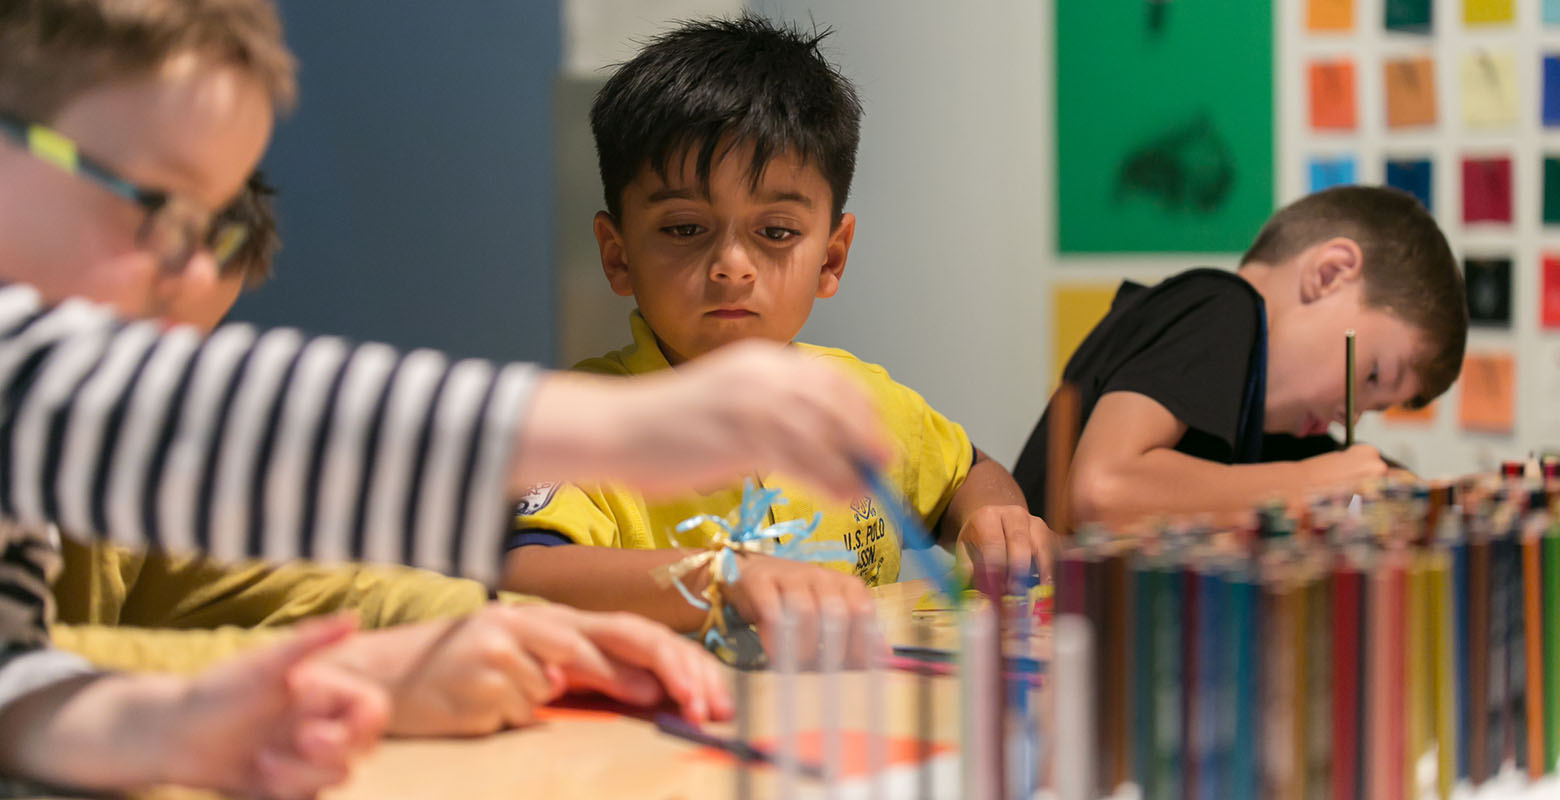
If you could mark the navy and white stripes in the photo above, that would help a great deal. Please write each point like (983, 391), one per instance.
(273, 445)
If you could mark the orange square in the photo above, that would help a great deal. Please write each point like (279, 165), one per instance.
(1410, 86)
(1329, 15)
(1398, 415)
(1488, 397)
(1332, 95)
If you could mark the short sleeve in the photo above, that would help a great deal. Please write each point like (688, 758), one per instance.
(1195, 355)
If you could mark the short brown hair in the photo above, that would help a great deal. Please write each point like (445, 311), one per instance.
(1408, 267)
(254, 208)
(53, 50)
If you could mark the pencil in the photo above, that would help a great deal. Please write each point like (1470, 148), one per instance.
(1348, 388)
(1060, 440)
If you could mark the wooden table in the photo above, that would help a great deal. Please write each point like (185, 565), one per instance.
(603, 754)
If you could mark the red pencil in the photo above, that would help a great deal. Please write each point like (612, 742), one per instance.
(1347, 612)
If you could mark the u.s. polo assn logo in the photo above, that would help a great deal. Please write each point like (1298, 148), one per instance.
(535, 498)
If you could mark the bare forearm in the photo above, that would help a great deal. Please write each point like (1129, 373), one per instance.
(97, 731)
(988, 484)
(1163, 481)
(604, 579)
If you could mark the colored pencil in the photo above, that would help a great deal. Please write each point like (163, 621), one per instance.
(1478, 717)
(1112, 640)
(1551, 624)
(1348, 388)
(1348, 612)
(1145, 610)
(745, 752)
(1061, 439)
(1533, 636)
(1245, 640)
(1442, 638)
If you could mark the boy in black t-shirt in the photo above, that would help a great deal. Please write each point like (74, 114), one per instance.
(1184, 386)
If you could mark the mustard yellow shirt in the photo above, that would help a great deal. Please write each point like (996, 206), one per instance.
(127, 609)
(932, 457)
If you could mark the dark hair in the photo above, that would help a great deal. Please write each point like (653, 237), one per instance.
(1408, 267)
(714, 85)
(53, 50)
(255, 209)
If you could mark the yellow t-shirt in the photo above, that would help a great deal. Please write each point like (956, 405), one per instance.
(932, 457)
(128, 609)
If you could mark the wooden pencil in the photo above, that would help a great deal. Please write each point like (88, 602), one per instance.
(1348, 388)
(1551, 634)
(1417, 681)
(1479, 767)
(1442, 637)
(1532, 616)
(1113, 640)
(1347, 615)
(1061, 439)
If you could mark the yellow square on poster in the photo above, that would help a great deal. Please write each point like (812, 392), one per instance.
(1489, 90)
(1075, 310)
(1486, 12)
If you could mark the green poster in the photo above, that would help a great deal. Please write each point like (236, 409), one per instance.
(1164, 124)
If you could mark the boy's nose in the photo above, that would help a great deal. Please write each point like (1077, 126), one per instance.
(732, 264)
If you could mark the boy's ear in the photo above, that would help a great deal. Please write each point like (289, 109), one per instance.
(835, 254)
(614, 258)
(1333, 264)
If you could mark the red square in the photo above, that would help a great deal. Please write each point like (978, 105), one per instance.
(1486, 190)
(1549, 299)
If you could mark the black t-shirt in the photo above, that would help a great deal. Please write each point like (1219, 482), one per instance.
(1197, 344)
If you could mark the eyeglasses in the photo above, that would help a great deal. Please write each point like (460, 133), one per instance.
(175, 228)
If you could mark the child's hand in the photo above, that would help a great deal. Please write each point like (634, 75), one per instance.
(769, 585)
(273, 722)
(1345, 468)
(491, 669)
(1006, 539)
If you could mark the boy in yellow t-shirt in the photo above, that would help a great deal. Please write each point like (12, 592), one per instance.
(726, 149)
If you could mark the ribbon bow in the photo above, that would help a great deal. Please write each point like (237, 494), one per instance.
(747, 534)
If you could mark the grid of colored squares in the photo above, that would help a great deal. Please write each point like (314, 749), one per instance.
(1486, 82)
(1416, 16)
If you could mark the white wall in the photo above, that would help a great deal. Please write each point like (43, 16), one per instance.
(1443, 448)
(948, 284)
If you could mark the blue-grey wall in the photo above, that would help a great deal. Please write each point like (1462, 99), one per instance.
(416, 187)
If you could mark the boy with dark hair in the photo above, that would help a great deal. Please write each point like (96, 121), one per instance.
(123, 126)
(726, 152)
(1184, 386)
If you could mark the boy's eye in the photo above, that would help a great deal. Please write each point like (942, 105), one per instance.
(683, 231)
(777, 234)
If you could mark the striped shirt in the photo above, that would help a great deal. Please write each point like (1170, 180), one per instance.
(266, 444)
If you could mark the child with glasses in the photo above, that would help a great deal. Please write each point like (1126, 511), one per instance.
(129, 123)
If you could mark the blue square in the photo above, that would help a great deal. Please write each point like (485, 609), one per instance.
(1412, 176)
(1331, 171)
(1552, 90)
(1551, 12)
